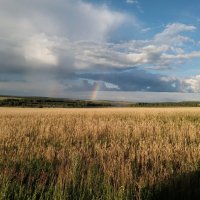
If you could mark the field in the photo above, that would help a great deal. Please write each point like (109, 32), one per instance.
(2, 98)
(105, 153)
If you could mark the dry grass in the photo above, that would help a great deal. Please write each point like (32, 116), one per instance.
(4, 98)
(115, 153)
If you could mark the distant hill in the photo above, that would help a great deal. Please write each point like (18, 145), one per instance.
(40, 102)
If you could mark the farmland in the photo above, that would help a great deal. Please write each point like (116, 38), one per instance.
(102, 153)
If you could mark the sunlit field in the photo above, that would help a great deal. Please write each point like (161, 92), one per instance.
(111, 153)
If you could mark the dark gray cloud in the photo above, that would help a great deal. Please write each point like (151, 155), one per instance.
(138, 80)
(87, 85)
(48, 46)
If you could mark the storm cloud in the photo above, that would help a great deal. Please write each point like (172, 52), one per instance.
(48, 46)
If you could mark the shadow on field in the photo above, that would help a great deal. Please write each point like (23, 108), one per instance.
(183, 187)
(38, 179)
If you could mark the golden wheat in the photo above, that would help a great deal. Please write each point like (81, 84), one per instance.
(122, 148)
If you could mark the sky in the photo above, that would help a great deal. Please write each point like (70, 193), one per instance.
(56, 47)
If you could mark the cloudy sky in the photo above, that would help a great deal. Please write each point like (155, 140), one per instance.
(54, 47)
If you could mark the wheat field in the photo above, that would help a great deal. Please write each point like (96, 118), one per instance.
(111, 153)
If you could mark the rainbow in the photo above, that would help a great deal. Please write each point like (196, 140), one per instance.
(95, 91)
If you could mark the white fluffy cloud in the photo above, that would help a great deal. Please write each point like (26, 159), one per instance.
(172, 34)
(73, 19)
(40, 50)
(165, 50)
(47, 42)
(75, 33)
(131, 1)
(40, 32)
(193, 83)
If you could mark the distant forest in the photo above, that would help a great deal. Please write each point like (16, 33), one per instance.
(45, 102)
(40, 102)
